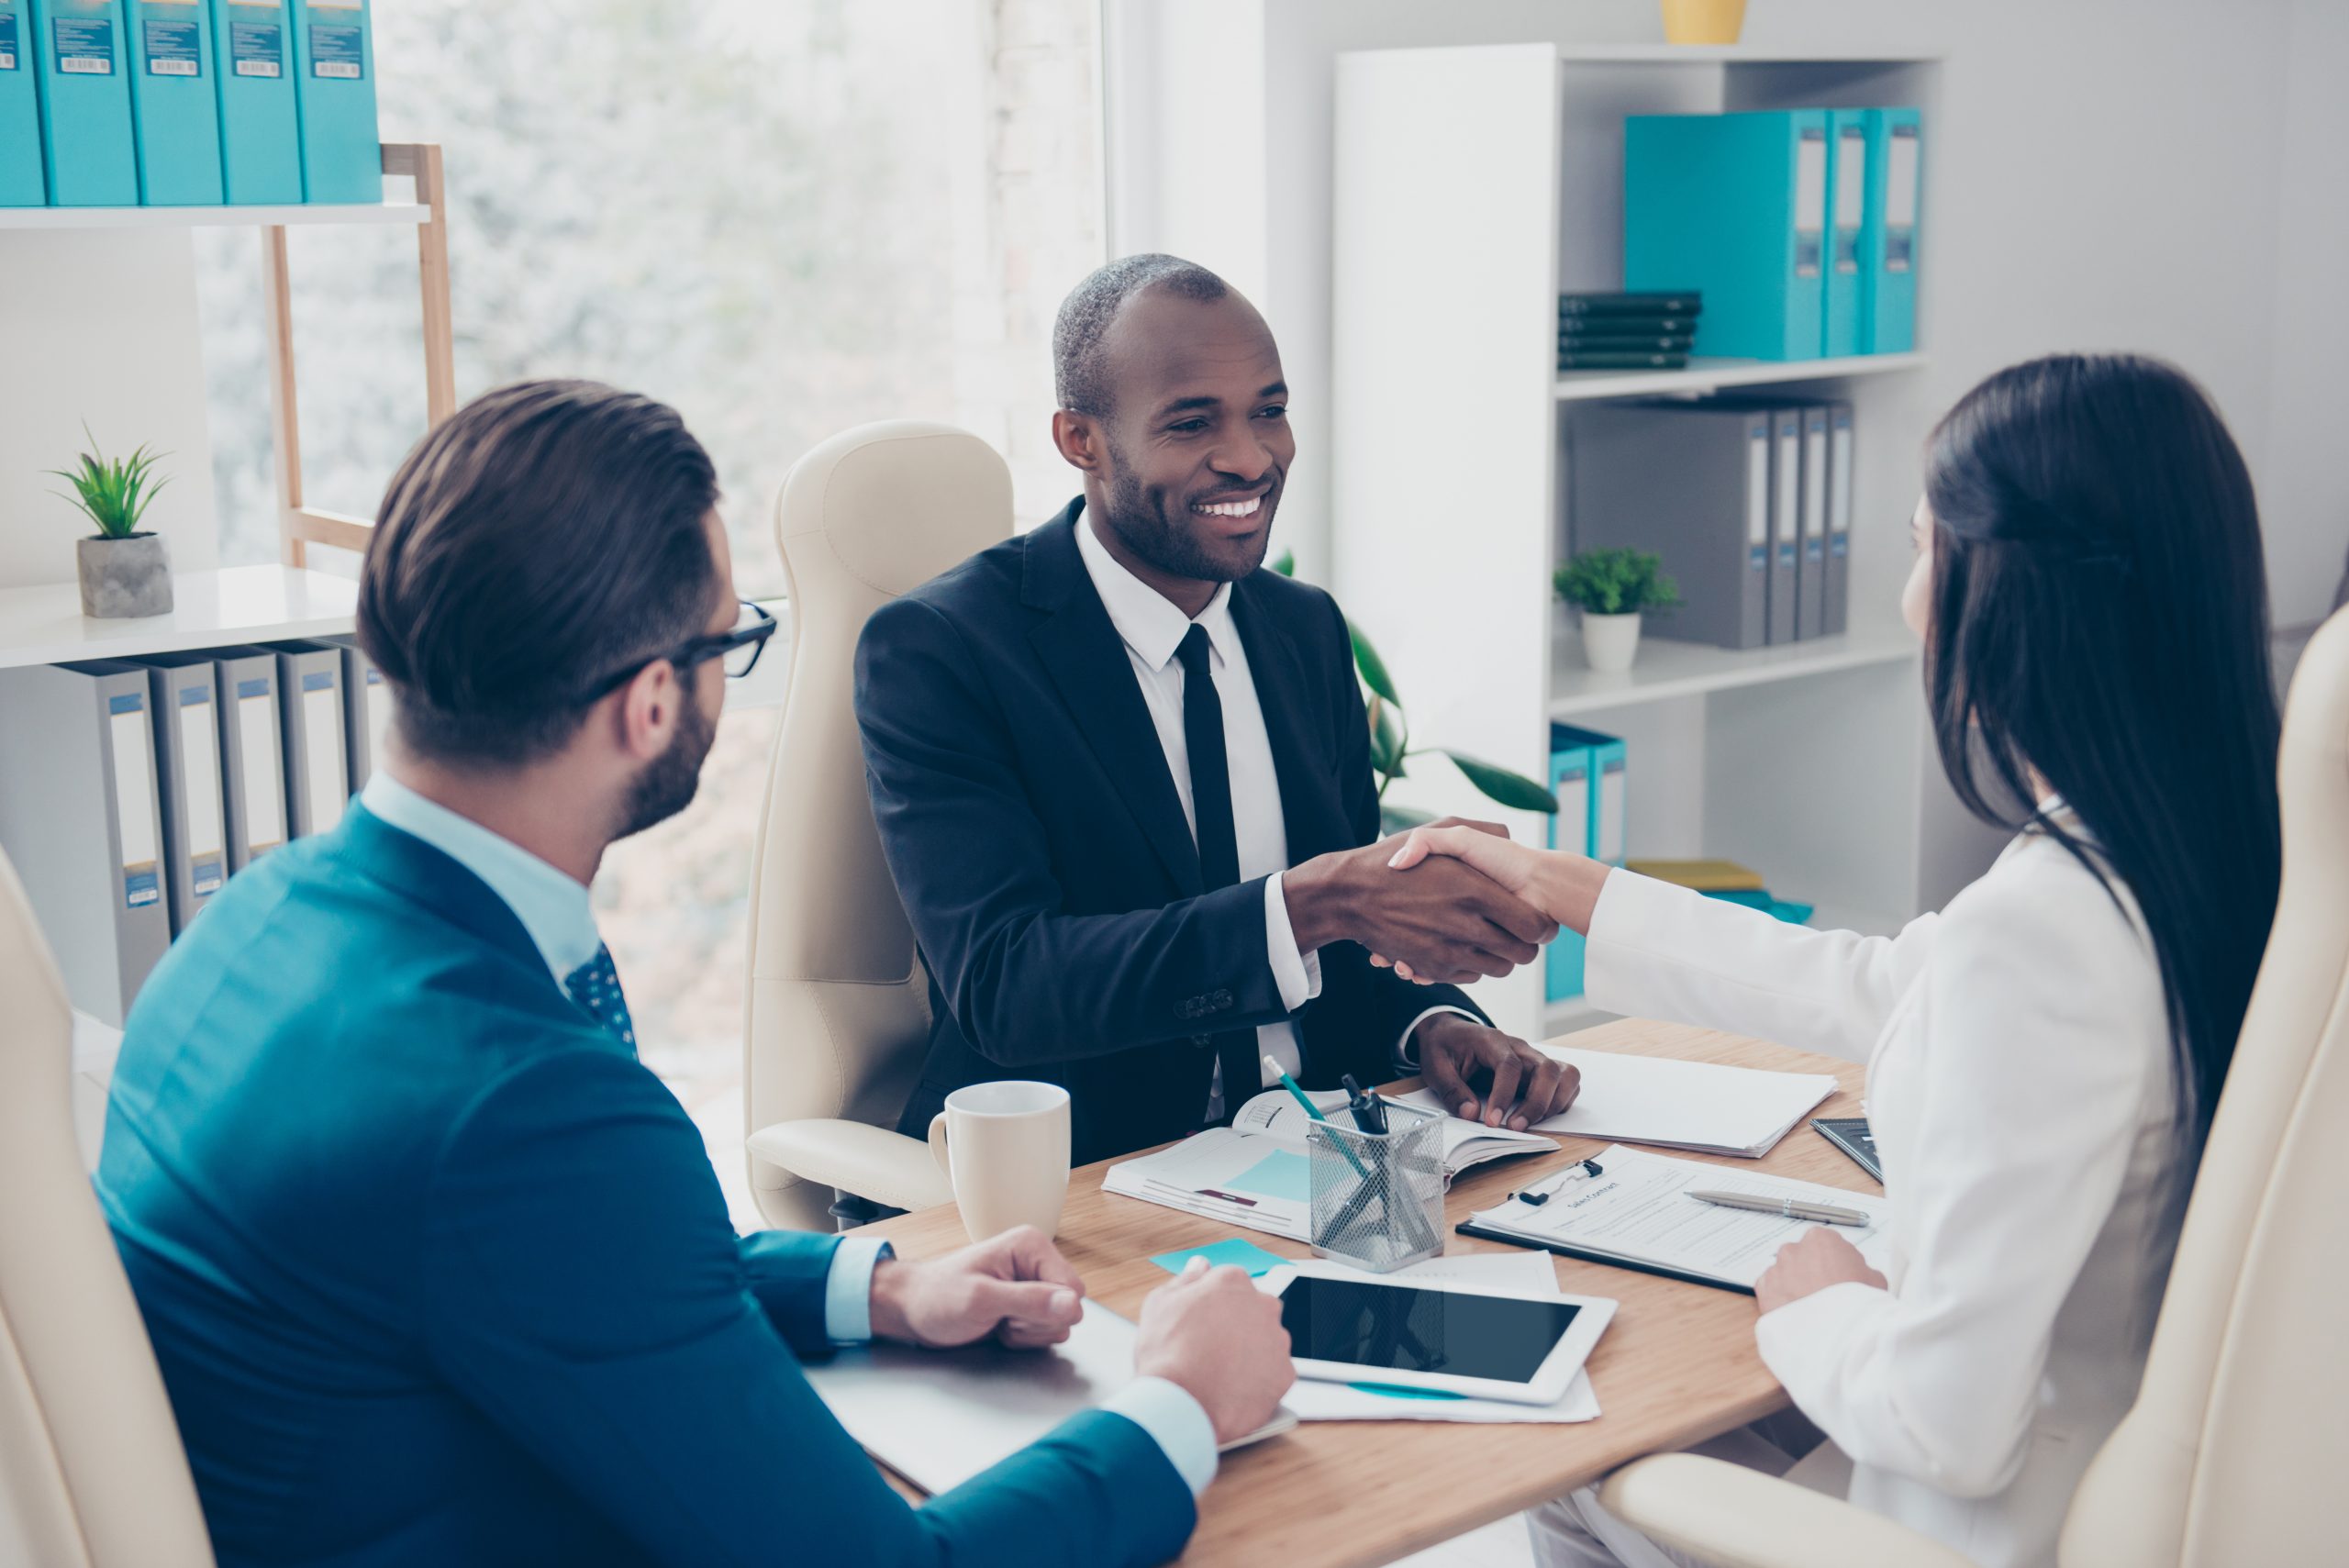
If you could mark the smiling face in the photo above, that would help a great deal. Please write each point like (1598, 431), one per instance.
(1183, 472)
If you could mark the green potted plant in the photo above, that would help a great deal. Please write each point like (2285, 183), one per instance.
(1611, 587)
(125, 572)
(1390, 742)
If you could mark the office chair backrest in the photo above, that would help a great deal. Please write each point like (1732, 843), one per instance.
(91, 1475)
(839, 1004)
(2232, 1454)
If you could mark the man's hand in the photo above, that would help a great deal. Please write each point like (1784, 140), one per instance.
(1808, 1264)
(1016, 1287)
(1486, 1075)
(1214, 1335)
(1446, 920)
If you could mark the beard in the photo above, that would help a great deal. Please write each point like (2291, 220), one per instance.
(1143, 524)
(667, 784)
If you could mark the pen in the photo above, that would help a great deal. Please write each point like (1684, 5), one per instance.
(1790, 1208)
(1312, 1110)
(1370, 1111)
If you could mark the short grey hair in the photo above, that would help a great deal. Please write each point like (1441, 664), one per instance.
(1080, 380)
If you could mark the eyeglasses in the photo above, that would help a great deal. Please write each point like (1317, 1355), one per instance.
(740, 649)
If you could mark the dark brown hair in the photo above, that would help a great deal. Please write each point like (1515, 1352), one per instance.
(543, 539)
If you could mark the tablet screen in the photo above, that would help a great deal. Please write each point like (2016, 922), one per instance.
(1394, 1327)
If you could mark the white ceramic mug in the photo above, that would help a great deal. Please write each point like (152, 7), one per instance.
(1005, 1146)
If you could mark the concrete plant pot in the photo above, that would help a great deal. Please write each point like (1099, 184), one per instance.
(123, 578)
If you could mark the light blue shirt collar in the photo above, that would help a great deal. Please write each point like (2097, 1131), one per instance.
(553, 908)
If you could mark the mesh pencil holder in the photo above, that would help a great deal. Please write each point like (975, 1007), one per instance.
(1377, 1197)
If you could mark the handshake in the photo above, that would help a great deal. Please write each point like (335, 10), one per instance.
(1464, 908)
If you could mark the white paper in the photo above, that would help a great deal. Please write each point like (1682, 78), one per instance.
(1638, 1209)
(1699, 1106)
(1530, 1272)
(1274, 1113)
(1209, 1175)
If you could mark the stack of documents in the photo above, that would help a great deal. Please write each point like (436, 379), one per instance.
(1255, 1173)
(1697, 1105)
(1637, 1214)
(1318, 1401)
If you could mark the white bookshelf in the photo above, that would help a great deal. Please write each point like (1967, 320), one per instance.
(210, 609)
(77, 217)
(1473, 186)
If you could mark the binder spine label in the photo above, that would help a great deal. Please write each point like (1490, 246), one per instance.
(338, 49)
(257, 48)
(84, 46)
(1811, 201)
(264, 780)
(1901, 200)
(200, 762)
(173, 49)
(8, 39)
(134, 802)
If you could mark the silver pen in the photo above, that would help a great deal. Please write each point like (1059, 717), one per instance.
(1789, 1207)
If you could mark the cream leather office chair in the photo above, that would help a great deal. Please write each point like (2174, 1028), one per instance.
(2233, 1452)
(91, 1475)
(839, 1003)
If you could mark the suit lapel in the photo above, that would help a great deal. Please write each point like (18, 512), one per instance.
(1082, 653)
(1310, 810)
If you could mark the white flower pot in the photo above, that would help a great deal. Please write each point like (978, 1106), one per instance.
(1609, 641)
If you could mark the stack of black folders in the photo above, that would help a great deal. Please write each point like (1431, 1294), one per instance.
(1627, 331)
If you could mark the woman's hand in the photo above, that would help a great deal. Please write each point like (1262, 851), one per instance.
(1563, 886)
(1810, 1263)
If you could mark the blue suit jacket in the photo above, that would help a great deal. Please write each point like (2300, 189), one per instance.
(439, 1274)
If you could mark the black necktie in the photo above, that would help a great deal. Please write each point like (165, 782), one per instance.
(1218, 840)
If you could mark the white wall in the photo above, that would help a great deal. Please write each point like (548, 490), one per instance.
(99, 327)
(2104, 174)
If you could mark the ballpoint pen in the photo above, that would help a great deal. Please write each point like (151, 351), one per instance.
(1788, 1207)
(1312, 1110)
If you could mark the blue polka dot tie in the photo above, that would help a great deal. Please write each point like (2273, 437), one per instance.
(595, 986)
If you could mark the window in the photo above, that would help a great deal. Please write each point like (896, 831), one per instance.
(784, 217)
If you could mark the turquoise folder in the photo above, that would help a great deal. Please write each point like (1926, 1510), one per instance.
(334, 70)
(1847, 195)
(1888, 245)
(84, 103)
(261, 124)
(1569, 830)
(22, 181)
(175, 113)
(1734, 207)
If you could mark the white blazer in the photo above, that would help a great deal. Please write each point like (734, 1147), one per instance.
(2021, 1092)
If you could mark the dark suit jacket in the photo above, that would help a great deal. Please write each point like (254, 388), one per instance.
(1036, 837)
(437, 1273)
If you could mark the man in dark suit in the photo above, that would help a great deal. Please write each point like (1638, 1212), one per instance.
(1122, 773)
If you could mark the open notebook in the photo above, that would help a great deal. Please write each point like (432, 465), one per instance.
(1701, 1107)
(1637, 1214)
(1254, 1172)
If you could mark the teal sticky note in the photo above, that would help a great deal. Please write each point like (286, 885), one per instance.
(1278, 1175)
(1236, 1251)
(1397, 1390)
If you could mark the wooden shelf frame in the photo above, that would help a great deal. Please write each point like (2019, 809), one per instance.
(301, 525)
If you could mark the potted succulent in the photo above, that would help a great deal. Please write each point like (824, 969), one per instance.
(1611, 587)
(125, 572)
(1390, 742)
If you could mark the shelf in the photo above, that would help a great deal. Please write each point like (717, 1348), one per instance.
(1732, 54)
(410, 213)
(1667, 668)
(1708, 375)
(214, 609)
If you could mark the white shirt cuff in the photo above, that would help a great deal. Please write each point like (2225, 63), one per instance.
(1298, 975)
(1175, 1421)
(848, 1289)
(1406, 1055)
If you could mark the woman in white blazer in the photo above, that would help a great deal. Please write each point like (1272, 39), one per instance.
(2043, 1055)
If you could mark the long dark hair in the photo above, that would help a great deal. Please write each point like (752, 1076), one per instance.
(2099, 618)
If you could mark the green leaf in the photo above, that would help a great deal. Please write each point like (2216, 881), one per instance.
(1393, 819)
(1510, 789)
(1615, 582)
(1373, 668)
(1284, 563)
(1385, 740)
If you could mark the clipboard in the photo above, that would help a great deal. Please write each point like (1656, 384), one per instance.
(1587, 1255)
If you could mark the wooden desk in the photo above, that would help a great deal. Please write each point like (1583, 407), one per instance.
(1676, 1366)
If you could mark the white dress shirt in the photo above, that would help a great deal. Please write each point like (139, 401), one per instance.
(555, 912)
(2021, 1091)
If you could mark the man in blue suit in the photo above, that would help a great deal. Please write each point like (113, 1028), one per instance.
(436, 1271)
